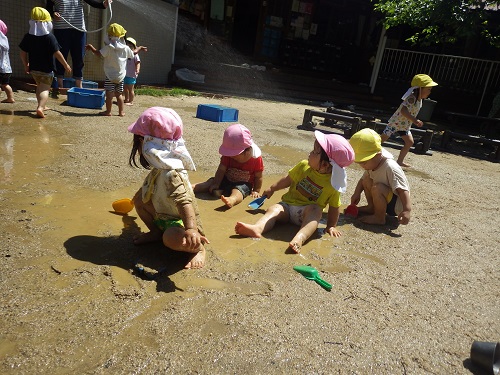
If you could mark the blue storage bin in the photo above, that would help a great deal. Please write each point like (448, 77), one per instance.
(217, 113)
(70, 82)
(85, 98)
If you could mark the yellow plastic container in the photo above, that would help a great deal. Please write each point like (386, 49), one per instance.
(123, 206)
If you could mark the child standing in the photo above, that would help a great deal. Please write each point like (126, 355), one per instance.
(166, 202)
(406, 115)
(240, 169)
(115, 55)
(38, 49)
(5, 68)
(132, 71)
(383, 182)
(313, 184)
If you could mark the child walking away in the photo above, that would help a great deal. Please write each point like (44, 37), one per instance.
(166, 202)
(132, 71)
(240, 169)
(313, 184)
(384, 182)
(406, 115)
(5, 68)
(38, 49)
(115, 54)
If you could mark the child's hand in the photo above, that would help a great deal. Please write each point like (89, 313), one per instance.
(143, 48)
(255, 194)
(57, 15)
(67, 68)
(193, 239)
(333, 232)
(355, 199)
(404, 217)
(268, 193)
(89, 47)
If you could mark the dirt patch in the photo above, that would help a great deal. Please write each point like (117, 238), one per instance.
(407, 299)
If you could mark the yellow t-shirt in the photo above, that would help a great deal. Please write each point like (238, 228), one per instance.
(310, 187)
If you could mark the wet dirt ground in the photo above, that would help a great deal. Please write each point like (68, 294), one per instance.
(405, 300)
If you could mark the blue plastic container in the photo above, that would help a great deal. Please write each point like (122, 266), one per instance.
(217, 113)
(85, 98)
(70, 82)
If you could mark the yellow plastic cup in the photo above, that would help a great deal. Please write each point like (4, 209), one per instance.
(123, 206)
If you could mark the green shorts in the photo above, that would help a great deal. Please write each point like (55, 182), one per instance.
(41, 77)
(163, 224)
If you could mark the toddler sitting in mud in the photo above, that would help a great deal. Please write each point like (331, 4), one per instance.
(166, 202)
(240, 170)
(313, 184)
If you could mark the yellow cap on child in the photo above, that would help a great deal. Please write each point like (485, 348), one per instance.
(116, 30)
(422, 80)
(366, 144)
(40, 14)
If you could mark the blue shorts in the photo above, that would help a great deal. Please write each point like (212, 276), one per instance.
(129, 81)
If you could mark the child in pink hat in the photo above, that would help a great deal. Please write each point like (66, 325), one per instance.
(313, 184)
(240, 169)
(166, 202)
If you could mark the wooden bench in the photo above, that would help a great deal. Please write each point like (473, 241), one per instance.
(355, 122)
(487, 125)
(448, 136)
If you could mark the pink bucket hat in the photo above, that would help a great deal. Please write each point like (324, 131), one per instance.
(341, 155)
(158, 122)
(236, 139)
(3, 27)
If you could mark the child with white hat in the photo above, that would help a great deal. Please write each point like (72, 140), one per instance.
(312, 185)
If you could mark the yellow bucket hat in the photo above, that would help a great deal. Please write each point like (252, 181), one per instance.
(422, 80)
(131, 40)
(366, 144)
(40, 14)
(116, 30)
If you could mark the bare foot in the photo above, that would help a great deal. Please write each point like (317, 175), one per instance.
(105, 113)
(198, 259)
(404, 165)
(247, 230)
(294, 246)
(228, 201)
(8, 101)
(39, 113)
(129, 103)
(372, 219)
(147, 238)
(46, 108)
(121, 114)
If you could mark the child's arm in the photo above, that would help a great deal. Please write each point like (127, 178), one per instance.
(406, 113)
(96, 52)
(281, 184)
(139, 49)
(192, 237)
(59, 56)
(137, 68)
(24, 58)
(331, 223)
(257, 185)
(219, 176)
(404, 195)
(356, 196)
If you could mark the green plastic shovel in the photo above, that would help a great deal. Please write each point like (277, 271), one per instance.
(311, 273)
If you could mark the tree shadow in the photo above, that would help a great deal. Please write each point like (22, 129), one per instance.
(119, 251)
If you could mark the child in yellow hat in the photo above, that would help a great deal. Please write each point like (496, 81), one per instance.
(115, 54)
(38, 49)
(406, 115)
(384, 182)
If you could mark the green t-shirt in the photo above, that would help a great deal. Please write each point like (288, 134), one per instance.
(310, 187)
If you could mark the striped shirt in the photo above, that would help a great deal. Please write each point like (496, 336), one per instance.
(71, 11)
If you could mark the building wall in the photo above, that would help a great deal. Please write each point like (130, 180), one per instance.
(151, 23)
